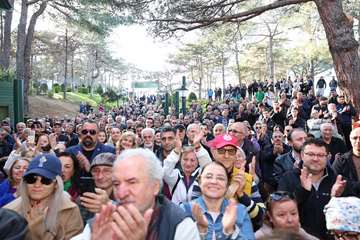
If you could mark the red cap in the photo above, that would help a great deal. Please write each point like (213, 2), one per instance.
(223, 140)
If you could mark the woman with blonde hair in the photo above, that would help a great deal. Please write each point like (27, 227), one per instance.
(43, 202)
(127, 141)
(14, 167)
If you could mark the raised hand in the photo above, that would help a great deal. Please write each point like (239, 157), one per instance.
(83, 161)
(94, 201)
(252, 167)
(178, 143)
(201, 221)
(338, 187)
(129, 223)
(101, 228)
(229, 218)
(197, 139)
(305, 179)
(17, 142)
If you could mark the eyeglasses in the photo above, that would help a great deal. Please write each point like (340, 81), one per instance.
(234, 131)
(31, 179)
(105, 172)
(281, 195)
(91, 131)
(312, 155)
(231, 152)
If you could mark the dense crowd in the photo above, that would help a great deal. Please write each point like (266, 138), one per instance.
(260, 161)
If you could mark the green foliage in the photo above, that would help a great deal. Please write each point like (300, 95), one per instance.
(7, 75)
(99, 90)
(68, 89)
(43, 88)
(56, 88)
(50, 94)
(83, 90)
(192, 97)
(110, 96)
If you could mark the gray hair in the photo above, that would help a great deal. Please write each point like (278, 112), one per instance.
(326, 124)
(54, 204)
(241, 153)
(192, 125)
(154, 169)
(147, 130)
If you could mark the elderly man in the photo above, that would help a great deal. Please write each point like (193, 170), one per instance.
(224, 149)
(335, 145)
(239, 130)
(148, 138)
(89, 145)
(314, 183)
(348, 165)
(140, 212)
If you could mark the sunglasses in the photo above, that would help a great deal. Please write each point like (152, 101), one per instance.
(231, 152)
(91, 131)
(281, 195)
(31, 179)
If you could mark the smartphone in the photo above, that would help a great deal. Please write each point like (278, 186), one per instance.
(31, 137)
(86, 184)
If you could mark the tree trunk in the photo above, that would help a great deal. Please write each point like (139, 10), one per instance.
(201, 77)
(66, 62)
(223, 72)
(27, 53)
(271, 58)
(343, 47)
(6, 46)
(72, 70)
(237, 62)
(21, 40)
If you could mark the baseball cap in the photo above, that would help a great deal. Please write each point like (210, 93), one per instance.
(222, 141)
(103, 159)
(12, 225)
(45, 165)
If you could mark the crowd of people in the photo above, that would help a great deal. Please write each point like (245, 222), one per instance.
(261, 164)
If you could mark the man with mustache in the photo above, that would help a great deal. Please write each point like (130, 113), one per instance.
(89, 146)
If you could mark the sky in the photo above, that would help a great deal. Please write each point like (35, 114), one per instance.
(133, 44)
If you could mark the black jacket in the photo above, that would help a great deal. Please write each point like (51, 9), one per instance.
(267, 160)
(346, 168)
(282, 164)
(311, 203)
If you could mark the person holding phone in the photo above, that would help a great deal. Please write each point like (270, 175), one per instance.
(98, 189)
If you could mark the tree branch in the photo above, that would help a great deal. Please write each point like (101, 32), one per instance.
(238, 17)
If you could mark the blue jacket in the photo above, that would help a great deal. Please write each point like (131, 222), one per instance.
(6, 193)
(243, 229)
(100, 148)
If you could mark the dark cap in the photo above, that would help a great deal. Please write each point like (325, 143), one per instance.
(179, 127)
(45, 165)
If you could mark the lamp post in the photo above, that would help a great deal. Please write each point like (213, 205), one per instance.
(182, 93)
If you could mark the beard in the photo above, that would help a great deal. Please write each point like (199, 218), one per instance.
(149, 145)
(88, 142)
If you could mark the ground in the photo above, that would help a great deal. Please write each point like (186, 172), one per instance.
(40, 106)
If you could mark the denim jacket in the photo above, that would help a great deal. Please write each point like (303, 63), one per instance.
(243, 228)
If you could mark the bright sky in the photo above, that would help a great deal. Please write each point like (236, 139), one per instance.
(133, 44)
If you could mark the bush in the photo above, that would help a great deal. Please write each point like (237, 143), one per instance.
(69, 89)
(43, 88)
(99, 90)
(50, 94)
(192, 96)
(83, 90)
(56, 88)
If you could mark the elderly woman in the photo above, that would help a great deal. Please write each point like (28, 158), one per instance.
(182, 180)
(282, 214)
(15, 166)
(216, 217)
(42, 201)
(219, 129)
